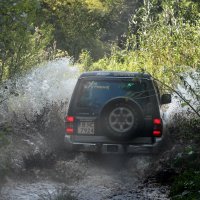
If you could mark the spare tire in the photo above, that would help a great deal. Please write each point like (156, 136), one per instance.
(122, 119)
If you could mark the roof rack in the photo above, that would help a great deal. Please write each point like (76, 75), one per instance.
(115, 74)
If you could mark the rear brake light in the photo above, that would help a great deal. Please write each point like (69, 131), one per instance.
(69, 130)
(156, 133)
(157, 121)
(70, 125)
(157, 129)
(70, 119)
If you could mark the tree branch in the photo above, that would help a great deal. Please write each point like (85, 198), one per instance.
(175, 91)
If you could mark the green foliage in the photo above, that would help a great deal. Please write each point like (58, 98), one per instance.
(23, 42)
(79, 24)
(163, 40)
(186, 186)
(163, 58)
(164, 52)
(85, 59)
(30, 30)
(185, 163)
(188, 159)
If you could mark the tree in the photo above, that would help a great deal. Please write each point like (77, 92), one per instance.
(81, 24)
(22, 42)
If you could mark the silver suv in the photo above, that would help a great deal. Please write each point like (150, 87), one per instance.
(115, 112)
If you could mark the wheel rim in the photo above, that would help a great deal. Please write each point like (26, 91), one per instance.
(121, 119)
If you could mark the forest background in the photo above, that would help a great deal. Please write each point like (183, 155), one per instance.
(161, 37)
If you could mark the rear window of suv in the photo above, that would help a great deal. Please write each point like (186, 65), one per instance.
(95, 93)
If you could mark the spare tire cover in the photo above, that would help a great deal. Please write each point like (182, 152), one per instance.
(122, 118)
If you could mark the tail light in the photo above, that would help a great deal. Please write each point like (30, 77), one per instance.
(70, 119)
(70, 125)
(69, 131)
(157, 129)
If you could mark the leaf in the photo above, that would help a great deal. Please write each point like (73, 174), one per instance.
(184, 104)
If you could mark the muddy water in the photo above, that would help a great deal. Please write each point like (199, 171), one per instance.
(34, 106)
(87, 178)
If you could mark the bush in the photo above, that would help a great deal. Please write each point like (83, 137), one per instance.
(186, 128)
(186, 186)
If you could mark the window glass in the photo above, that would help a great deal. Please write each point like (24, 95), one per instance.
(96, 93)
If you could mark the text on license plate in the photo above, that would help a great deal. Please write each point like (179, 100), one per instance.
(86, 128)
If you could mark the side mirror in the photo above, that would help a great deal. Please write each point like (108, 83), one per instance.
(166, 98)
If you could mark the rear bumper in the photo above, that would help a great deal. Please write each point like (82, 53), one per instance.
(117, 148)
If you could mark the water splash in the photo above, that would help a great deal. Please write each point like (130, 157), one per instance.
(52, 82)
(189, 89)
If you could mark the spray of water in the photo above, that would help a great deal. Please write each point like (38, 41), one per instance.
(52, 82)
(34, 106)
(189, 89)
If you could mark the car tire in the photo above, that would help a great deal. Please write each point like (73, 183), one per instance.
(122, 119)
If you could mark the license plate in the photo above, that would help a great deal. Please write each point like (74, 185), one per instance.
(86, 128)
